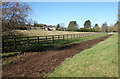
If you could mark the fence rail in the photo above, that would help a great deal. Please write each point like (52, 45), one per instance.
(14, 43)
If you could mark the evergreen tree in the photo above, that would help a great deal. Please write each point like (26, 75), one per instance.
(58, 26)
(87, 24)
(96, 27)
(35, 24)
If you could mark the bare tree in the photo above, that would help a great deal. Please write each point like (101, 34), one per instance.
(104, 27)
(14, 15)
(62, 24)
(119, 11)
(35, 24)
(119, 16)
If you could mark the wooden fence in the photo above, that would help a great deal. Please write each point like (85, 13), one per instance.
(10, 44)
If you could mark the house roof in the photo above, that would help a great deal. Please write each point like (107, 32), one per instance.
(51, 26)
(63, 28)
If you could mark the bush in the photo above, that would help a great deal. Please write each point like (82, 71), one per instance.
(85, 30)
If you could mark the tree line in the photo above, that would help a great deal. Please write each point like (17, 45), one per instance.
(73, 26)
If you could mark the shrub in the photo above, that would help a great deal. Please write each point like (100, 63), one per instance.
(85, 30)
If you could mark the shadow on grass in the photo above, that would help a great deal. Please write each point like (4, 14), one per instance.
(37, 48)
(45, 47)
(57, 45)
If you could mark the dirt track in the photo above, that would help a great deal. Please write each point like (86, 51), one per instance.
(39, 64)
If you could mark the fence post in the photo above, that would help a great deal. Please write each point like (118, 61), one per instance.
(2, 44)
(46, 39)
(74, 36)
(15, 43)
(67, 37)
(58, 37)
(53, 38)
(38, 39)
(28, 40)
(63, 37)
(71, 36)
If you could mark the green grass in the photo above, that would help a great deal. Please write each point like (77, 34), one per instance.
(30, 33)
(3, 55)
(50, 46)
(13, 60)
(99, 61)
(56, 44)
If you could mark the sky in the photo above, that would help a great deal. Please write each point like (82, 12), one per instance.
(52, 13)
(60, 0)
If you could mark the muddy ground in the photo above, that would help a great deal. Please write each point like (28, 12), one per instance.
(40, 63)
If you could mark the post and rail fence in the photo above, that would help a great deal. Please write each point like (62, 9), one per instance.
(14, 43)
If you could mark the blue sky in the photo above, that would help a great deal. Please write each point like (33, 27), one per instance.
(52, 13)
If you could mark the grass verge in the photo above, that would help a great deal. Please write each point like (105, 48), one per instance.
(10, 54)
(98, 61)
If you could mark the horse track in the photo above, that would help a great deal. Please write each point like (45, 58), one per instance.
(39, 64)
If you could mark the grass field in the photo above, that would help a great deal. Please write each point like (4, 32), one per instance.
(51, 46)
(41, 32)
(60, 43)
(98, 61)
(57, 44)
